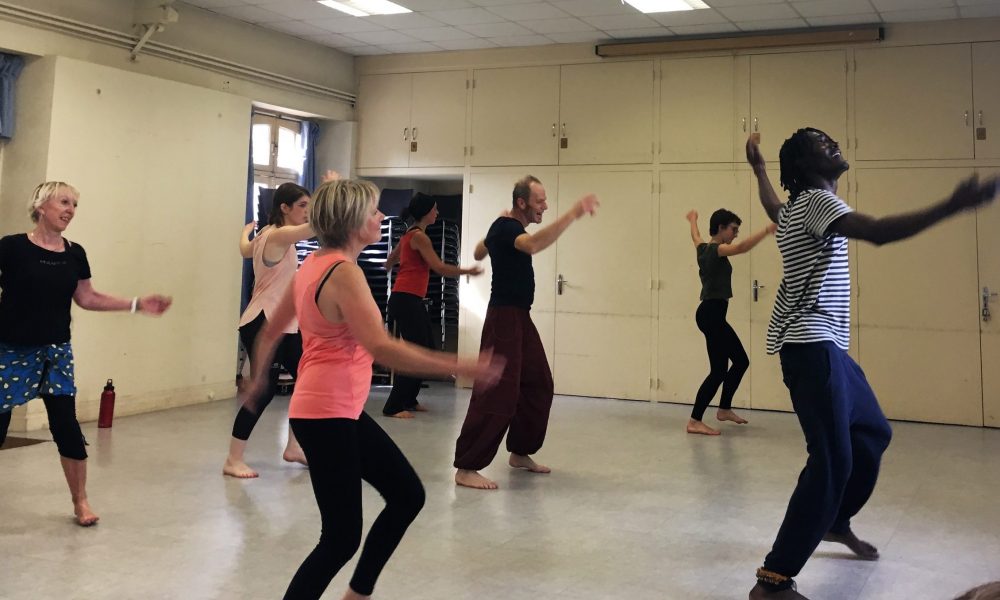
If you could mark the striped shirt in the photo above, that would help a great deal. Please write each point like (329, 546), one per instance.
(814, 299)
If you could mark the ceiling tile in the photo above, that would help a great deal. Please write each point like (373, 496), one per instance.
(404, 21)
(633, 21)
(593, 8)
(828, 8)
(347, 25)
(726, 3)
(300, 10)
(410, 47)
(425, 5)
(929, 14)
(775, 25)
(213, 4)
(296, 28)
(436, 34)
(577, 37)
(382, 37)
(763, 12)
(250, 14)
(645, 32)
(490, 30)
(464, 16)
(704, 29)
(334, 39)
(526, 12)
(830, 21)
(910, 5)
(470, 44)
(496, 2)
(702, 16)
(364, 50)
(979, 10)
(558, 25)
(520, 40)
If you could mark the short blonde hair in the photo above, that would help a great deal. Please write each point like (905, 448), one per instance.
(339, 208)
(44, 192)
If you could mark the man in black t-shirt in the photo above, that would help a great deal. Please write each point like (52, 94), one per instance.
(522, 398)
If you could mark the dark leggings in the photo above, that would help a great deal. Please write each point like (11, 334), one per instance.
(65, 428)
(723, 346)
(413, 325)
(287, 355)
(342, 453)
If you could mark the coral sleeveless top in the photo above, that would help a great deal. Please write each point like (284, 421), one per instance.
(413, 269)
(335, 372)
(269, 282)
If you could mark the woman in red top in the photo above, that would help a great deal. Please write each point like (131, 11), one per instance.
(416, 258)
(342, 334)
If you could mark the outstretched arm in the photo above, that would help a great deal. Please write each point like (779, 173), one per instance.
(967, 195)
(746, 245)
(422, 244)
(533, 243)
(768, 198)
(692, 218)
(87, 298)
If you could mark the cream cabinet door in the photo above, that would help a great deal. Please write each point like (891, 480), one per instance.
(697, 108)
(986, 94)
(919, 305)
(988, 223)
(606, 113)
(515, 116)
(491, 194)
(792, 91)
(682, 358)
(437, 119)
(384, 120)
(603, 323)
(913, 103)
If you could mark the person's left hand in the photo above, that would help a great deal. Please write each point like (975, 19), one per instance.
(154, 304)
(330, 175)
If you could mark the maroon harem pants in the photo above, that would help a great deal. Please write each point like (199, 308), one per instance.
(521, 399)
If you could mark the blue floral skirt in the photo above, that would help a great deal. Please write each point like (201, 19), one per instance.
(26, 372)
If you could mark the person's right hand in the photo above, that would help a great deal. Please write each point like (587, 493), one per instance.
(588, 205)
(754, 157)
(692, 216)
(474, 270)
(486, 371)
(971, 193)
(329, 176)
(771, 228)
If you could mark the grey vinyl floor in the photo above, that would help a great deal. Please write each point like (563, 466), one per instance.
(634, 509)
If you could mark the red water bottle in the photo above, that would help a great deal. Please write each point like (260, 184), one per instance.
(107, 411)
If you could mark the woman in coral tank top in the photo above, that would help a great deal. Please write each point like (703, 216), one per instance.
(342, 334)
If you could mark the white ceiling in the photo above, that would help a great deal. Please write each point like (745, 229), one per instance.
(436, 25)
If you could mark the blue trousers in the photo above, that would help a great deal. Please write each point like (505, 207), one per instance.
(846, 434)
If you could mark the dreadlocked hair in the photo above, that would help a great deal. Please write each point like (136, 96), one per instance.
(792, 156)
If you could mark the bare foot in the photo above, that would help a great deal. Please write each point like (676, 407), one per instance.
(85, 517)
(403, 414)
(699, 427)
(295, 455)
(473, 479)
(519, 461)
(725, 414)
(418, 408)
(238, 469)
(863, 549)
(759, 592)
(352, 595)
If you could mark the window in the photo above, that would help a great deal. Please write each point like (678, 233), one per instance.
(278, 153)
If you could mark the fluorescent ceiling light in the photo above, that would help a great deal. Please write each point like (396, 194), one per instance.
(658, 6)
(364, 8)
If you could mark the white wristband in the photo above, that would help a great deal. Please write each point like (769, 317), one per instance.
(135, 304)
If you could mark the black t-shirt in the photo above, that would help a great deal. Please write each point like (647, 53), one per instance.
(513, 276)
(716, 273)
(37, 290)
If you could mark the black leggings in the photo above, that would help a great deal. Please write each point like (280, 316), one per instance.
(65, 428)
(723, 346)
(342, 453)
(413, 325)
(287, 355)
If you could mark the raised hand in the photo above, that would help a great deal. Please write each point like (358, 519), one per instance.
(692, 216)
(588, 205)
(754, 157)
(971, 193)
(329, 176)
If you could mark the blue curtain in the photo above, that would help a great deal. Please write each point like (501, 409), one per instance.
(10, 68)
(247, 287)
(310, 133)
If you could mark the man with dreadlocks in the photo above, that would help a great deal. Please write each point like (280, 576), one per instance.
(845, 430)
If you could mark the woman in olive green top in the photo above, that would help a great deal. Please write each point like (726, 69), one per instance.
(716, 289)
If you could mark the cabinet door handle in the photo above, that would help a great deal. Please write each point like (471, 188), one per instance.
(564, 130)
(980, 118)
(560, 284)
(406, 133)
(966, 116)
(755, 125)
(756, 287)
(414, 134)
(553, 130)
(744, 121)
